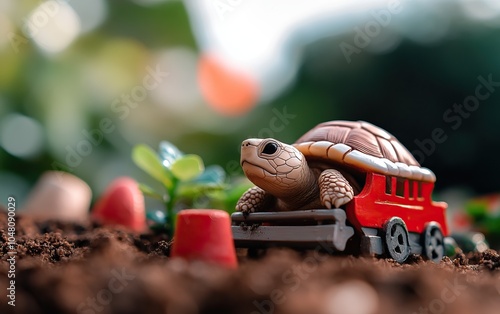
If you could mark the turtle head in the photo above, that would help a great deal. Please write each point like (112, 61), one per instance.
(275, 167)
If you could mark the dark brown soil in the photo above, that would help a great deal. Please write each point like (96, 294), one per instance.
(69, 268)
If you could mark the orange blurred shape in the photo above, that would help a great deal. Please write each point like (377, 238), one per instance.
(227, 91)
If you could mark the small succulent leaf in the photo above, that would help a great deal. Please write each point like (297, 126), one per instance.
(168, 153)
(149, 191)
(188, 192)
(147, 159)
(212, 174)
(187, 167)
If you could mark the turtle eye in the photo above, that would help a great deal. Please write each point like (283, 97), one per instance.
(270, 148)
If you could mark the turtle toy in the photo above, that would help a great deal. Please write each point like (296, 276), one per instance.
(323, 169)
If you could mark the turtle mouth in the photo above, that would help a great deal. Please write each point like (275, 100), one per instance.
(253, 165)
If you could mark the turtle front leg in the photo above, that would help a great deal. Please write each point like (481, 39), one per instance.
(334, 189)
(254, 199)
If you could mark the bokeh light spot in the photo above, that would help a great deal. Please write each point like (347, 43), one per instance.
(53, 26)
(21, 136)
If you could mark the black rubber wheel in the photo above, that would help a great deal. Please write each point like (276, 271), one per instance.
(396, 240)
(433, 243)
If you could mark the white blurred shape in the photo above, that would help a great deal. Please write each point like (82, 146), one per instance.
(352, 297)
(481, 9)
(91, 13)
(21, 136)
(61, 196)
(494, 4)
(179, 92)
(53, 26)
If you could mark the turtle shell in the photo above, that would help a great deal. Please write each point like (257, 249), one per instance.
(363, 146)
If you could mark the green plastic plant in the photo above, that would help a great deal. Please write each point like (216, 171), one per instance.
(186, 182)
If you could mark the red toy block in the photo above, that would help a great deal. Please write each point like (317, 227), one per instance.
(122, 204)
(204, 234)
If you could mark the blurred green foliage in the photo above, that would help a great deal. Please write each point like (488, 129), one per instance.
(484, 218)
